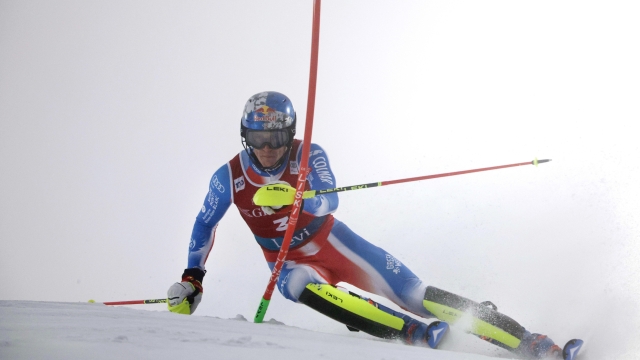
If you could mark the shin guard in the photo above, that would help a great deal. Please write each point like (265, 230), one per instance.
(352, 311)
(479, 319)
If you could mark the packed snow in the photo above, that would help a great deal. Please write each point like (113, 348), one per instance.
(49, 330)
(57, 330)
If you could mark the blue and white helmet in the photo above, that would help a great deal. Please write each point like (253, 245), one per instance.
(268, 120)
(268, 110)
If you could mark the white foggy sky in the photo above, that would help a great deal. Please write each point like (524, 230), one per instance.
(114, 115)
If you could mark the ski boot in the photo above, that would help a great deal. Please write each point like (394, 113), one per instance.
(537, 346)
(415, 332)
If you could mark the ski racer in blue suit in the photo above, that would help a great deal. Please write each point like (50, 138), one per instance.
(324, 251)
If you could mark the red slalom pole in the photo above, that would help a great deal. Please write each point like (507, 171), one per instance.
(304, 170)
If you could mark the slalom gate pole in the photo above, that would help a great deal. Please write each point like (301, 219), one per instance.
(282, 194)
(304, 170)
(134, 302)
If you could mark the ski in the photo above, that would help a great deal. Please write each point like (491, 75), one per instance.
(571, 349)
(436, 332)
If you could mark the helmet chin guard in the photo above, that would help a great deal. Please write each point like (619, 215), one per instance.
(268, 111)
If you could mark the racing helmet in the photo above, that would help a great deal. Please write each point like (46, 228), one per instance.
(268, 120)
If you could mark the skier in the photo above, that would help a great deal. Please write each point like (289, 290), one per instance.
(324, 251)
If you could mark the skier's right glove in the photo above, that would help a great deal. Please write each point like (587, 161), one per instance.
(184, 297)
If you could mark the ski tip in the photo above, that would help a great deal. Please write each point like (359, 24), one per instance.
(571, 349)
(435, 333)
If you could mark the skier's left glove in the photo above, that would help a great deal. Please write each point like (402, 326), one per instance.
(272, 210)
(184, 297)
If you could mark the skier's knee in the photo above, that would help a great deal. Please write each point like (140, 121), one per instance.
(293, 281)
(412, 295)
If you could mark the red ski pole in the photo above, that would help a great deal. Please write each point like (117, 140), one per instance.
(312, 193)
(282, 194)
(133, 302)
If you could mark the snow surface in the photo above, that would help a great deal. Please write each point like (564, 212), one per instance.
(56, 330)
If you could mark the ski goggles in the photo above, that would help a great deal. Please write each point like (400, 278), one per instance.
(258, 139)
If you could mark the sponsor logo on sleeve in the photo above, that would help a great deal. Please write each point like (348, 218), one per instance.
(213, 202)
(215, 183)
(393, 264)
(321, 167)
(239, 183)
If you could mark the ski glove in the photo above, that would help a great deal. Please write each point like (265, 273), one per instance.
(271, 210)
(184, 297)
(282, 209)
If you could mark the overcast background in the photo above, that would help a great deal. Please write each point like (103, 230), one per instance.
(114, 115)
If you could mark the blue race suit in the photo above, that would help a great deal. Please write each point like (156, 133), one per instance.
(323, 249)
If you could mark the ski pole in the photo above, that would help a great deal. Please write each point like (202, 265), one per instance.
(282, 194)
(304, 170)
(133, 302)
